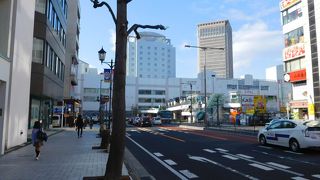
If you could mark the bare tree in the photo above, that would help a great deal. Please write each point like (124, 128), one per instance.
(117, 145)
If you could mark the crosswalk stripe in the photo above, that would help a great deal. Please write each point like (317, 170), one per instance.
(188, 174)
(293, 152)
(278, 165)
(266, 147)
(230, 157)
(245, 156)
(209, 150)
(158, 154)
(170, 162)
(261, 167)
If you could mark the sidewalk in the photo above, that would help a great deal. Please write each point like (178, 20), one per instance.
(64, 156)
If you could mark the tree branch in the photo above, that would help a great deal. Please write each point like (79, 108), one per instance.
(136, 26)
(97, 4)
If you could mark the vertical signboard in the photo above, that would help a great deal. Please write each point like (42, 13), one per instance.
(107, 75)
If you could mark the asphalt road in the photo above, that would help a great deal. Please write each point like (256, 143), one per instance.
(176, 153)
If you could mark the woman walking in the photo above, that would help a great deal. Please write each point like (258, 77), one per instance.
(79, 125)
(37, 143)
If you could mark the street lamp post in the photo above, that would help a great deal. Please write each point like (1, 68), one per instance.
(102, 55)
(204, 49)
(191, 104)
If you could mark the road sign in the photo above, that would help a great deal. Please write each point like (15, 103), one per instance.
(57, 109)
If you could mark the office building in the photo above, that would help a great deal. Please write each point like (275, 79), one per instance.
(151, 56)
(216, 34)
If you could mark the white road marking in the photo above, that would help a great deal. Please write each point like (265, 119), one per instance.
(299, 178)
(209, 150)
(127, 134)
(261, 167)
(220, 149)
(266, 147)
(133, 130)
(170, 162)
(245, 156)
(293, 152)
(265, 153)
(189, 174)
(263, 164)
(158, 154)
(164, 130)
(316, 176)
(278, 165)
(179, 175)
(230, 157)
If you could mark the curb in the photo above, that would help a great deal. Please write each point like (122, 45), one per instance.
(135, 169)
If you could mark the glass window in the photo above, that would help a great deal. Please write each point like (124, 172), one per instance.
(37, 50)
(276, 125)
(292, 14)
(90, 90)
(294, 37)
(41, 6)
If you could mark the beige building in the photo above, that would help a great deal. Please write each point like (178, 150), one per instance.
(216, 34)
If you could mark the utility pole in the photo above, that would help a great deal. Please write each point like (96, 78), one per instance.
(115, 160)
(191, 104)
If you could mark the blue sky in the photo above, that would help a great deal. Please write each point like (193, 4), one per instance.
(257, 31)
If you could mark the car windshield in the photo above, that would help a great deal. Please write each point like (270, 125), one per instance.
(312, 123)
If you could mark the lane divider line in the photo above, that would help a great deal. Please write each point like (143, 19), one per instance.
(178, 174)
(261, 167)
(299, 178)
(188, 174)
(158, 154)
(316, 176)
(278, 165)
(170, 162)
(293, 152)
(209, 150)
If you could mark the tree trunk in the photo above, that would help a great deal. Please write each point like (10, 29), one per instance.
(115, 161)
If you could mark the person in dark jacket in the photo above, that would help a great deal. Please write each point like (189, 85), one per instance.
(37, 143)
(79, 125)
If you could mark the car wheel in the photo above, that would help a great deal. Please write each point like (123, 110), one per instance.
(262, 140)
(294, 145)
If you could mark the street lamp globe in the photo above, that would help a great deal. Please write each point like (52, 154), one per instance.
(102, 54)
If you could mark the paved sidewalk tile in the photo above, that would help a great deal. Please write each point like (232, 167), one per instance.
(64, 156)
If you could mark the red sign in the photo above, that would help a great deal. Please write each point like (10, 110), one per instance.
(294, 51)
(285, 4)
(298, 104)
(300, 75)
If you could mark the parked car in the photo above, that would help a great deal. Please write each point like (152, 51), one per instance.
(136, 121)
(295, 134)
(156, 120)
(272, 121)
(145, 121)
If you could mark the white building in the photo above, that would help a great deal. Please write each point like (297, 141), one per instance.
(300, 21)
(148, 93)
(216, 34)
(276, 73)
(16, 38)
(151, 56)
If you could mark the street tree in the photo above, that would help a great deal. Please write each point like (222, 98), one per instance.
(216, 101)
(117, 144)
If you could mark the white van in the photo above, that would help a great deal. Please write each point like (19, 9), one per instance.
(56, 121)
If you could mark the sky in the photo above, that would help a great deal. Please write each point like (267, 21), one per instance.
(256, 24)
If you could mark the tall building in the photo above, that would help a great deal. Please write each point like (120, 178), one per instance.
(151, 56)
(16, 32)
(72, 48)
(217, 35)
(300, 55)
(55, 57)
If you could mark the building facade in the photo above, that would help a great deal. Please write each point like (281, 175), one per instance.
(16, 32)
(151, 56)
(216, 34)
(300, 56)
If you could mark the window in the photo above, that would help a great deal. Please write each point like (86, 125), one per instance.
(287, 124)
(292, 14)
(37, 50)
(144, 91)
(41, 6)
(276, 125)
(90, 90)
(231, 86)
(294, 37)
(144, 100)
(294, 65)
(90, 98)
(265, 88)
(159, 92)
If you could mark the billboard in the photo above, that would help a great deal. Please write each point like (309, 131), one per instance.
(260, 103)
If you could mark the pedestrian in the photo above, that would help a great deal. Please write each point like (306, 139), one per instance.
(79, 125)
(36, 141)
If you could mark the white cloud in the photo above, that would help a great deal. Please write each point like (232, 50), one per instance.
(255, 42)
